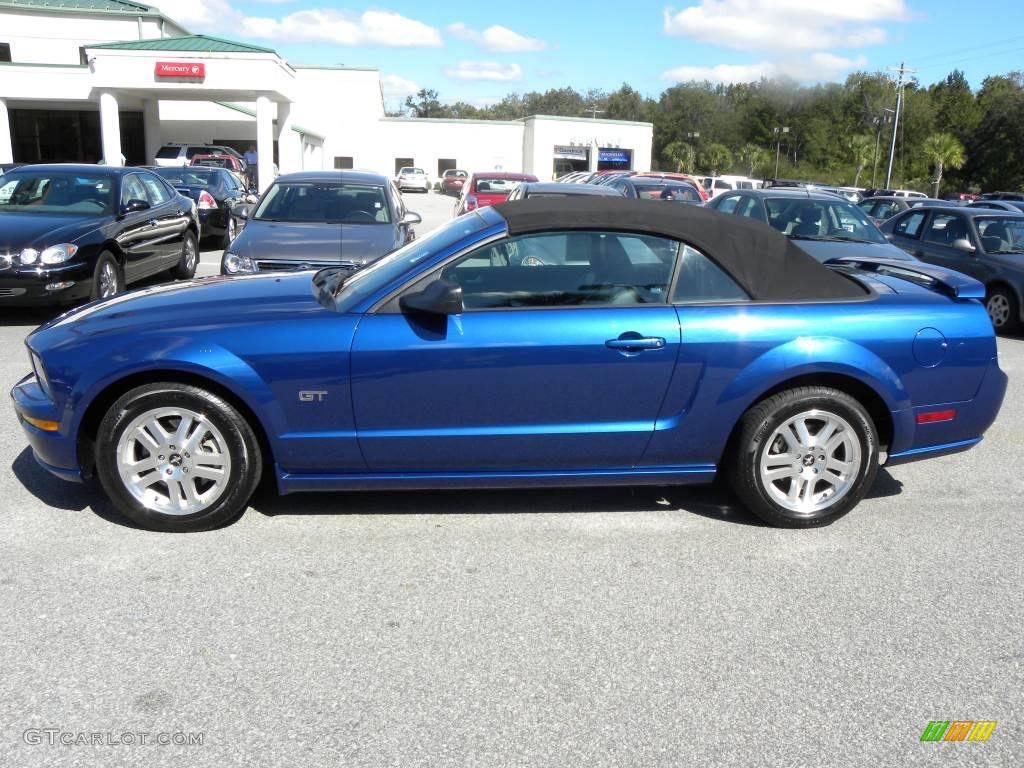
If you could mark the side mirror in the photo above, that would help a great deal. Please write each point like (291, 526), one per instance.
(438, 298)
(134, 205)
(963, 244)
(412, 218)
(243, 213)
(888, 236)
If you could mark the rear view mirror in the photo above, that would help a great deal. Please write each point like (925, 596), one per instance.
(437, 298)
(963, 244)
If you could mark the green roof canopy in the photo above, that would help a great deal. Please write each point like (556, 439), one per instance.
(83, 6)
(185, 44)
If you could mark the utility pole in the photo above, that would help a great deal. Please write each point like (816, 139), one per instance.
(902, 70)
(879, 122)
(778, 131)
(593, 112)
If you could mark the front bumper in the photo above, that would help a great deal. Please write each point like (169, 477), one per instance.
(56, 451)
(27, 286)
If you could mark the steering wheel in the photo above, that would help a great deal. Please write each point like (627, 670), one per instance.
(532, 261)
(354, 217)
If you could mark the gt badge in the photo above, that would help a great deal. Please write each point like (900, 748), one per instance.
(312, 395)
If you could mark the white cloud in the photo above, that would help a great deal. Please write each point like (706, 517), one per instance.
(485, 70)
(498, 39)
(791, 24)
(815, 68)
(372, 27)
(394, 87)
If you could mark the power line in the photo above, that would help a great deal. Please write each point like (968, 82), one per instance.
(969, 49)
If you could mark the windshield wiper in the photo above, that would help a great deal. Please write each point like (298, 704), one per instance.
(1009, 250)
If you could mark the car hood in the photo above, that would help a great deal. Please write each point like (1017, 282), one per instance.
(824, 250)
(314, 242)
(191, 307)
(25, 230)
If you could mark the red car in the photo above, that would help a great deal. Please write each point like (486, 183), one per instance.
(675, 177)
(453, 181)
(487, 188)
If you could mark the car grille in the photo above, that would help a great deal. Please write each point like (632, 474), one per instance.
(10, 292)
(6, 260)
(277, 265)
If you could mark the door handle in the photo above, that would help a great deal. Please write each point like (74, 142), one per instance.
(634, 342)
(152, 222)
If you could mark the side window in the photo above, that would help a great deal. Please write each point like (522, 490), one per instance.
(945, 229)
(910, 225)
(132, 189)
(156, 192)
(566, 269)
(728, 205)
(751, 208)
(701, 280)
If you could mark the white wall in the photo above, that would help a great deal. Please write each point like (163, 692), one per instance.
(45, 37)
(475, 145)
(545, 133)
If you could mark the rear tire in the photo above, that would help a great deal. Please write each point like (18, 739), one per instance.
(174, 457)
(804, 457)
(1003, 309)
(185, 269)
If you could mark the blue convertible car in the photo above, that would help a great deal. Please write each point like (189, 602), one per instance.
(552, 342)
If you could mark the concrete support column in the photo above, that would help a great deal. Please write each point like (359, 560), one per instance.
(6, 149)
(265, 141)
(110, 129)
(289, 142)
(151, 123)
(594, 154)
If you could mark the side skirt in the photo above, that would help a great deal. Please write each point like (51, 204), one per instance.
(289, 482)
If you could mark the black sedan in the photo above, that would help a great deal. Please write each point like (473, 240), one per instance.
(654, 188)
(986, 244)
(72, 232)
(221, 199)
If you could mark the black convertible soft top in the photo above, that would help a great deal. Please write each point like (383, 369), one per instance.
(763, 261)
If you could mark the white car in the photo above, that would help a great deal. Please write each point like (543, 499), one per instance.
(412, 178)
(716, 185)
(907, 193)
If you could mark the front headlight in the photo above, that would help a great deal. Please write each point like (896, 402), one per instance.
(55, 254)
(40, 372)
(238, 265)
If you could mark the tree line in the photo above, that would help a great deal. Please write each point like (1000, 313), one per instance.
(950, 137)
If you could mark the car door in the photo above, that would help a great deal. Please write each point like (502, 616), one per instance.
(137, 233)
(559, 362)
(938, 234)
(170, 221)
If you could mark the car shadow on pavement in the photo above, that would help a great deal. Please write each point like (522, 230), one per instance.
(29, 317)
(714, 502)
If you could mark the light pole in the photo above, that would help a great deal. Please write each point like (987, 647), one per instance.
(778, 131)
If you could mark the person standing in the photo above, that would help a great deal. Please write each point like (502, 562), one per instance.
(252, 160)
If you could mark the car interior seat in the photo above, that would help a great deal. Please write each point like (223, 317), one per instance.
(955, 230)
(995, 237)
(810, 221)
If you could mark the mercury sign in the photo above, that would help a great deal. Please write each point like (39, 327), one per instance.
(192, 71)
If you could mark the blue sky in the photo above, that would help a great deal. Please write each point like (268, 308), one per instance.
(478, 52)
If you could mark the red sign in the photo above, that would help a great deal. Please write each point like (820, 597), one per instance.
(190, 70)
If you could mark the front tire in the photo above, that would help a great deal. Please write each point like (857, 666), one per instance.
(230, 232)
(107, 278)
(1003, 309)
(186, 267)
(174, 457)
(804, 457)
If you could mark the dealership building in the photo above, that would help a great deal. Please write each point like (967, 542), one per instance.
(113, 80)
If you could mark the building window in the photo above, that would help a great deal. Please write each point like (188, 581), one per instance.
(402, 162)
(83, 57)
(342, 163)
(5, 51)
(445, 164)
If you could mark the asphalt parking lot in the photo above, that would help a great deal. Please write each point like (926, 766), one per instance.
(605, 627)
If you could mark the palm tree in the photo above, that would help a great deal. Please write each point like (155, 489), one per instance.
(680, 154)
(861, 148)
(752, 156)
(943, 150)
(716, 158)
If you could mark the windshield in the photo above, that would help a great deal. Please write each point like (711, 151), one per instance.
(325, 203)
(1001, 234)
(411, 171)
(681, 193)
(187, 177)
(808, 219)
(494, 186)
(456, 174)
(58, 192)
(213, 162)
(351, 288)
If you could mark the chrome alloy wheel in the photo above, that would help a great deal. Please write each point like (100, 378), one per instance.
(108, 280)
(998, 307)
(811, 461)
(232, 228)
(173, 461)
(190, 254)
